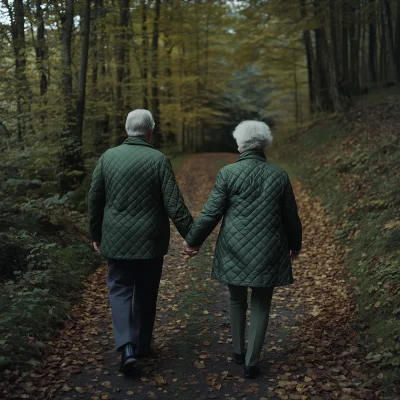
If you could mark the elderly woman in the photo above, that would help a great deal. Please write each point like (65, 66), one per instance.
(260, 234)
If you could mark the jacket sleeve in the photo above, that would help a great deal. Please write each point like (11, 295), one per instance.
(291, 219)
(173, 200)
(97, 202)
(212, 213)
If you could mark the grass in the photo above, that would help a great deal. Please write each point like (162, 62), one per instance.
(356, 180)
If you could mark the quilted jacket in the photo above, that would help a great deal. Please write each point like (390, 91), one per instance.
(260, 223)
(133, 193)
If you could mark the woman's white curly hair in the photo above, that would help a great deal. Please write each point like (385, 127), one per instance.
(252, 135)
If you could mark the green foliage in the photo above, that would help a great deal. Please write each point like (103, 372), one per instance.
(43, 266)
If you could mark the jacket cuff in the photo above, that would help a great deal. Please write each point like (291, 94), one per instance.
(95, 237)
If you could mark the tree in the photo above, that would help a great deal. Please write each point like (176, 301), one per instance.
(17, 20)
(155, 101)
(80, 102)
(71, 158)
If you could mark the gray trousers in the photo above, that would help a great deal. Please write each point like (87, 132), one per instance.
(260, 306)
(138, 279)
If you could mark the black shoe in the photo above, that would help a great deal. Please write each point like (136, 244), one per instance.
(239, 358)
(145, 353)
(251, 371)
(128, 360)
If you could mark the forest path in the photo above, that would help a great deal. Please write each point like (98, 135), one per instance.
(310, 351)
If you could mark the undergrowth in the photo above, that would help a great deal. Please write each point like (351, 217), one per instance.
(353, 166)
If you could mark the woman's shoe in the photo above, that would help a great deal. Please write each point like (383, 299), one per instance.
(128, 360)
(251, 371)
(239, 358)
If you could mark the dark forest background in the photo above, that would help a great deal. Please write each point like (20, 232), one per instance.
(72, 70)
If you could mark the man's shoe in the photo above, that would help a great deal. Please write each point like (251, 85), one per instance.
(146, 353)
(239, 358)
(251, 371)
(128, 360)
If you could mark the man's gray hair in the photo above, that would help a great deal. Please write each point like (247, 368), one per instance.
(252, 135)
(139, 122)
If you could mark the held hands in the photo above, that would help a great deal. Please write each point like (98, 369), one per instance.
(96, 246)
(294, 254)
(190, 251)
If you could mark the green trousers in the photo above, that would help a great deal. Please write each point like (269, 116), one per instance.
(260, 307)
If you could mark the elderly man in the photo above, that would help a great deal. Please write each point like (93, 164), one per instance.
(133, 193)
(260, 235)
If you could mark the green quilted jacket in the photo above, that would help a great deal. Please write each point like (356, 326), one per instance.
(260, 223)
(133, 193)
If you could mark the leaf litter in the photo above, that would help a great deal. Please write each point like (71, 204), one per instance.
(310, 351)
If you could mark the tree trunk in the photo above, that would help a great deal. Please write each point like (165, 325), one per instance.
(397, 39)
(383, 49)
(17, 18)
(122, 44)
(71, 159)
(392, 51)
(321, 70)
(145, 100)
(296, 94)
(155, 101)
(100, 121)
(168, 47)
(310, 63)
(372, 44)
(354, 60)
(333, 22)
(80, 102)
(41, 48)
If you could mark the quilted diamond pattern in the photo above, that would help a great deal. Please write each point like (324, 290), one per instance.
(132, 196)
(260, 223)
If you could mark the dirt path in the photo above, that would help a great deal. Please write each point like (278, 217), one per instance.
(310, 350)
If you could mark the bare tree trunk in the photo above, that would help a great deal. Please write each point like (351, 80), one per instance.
(333, 22)
(168, 46)
(354, 60)
(344, 74)
(372, 44)
(41, 48)
(321, 70)
(311, 68)
(383, 48)
(296, 94)
(397, 39)
(80, 101)
(392, 51)
(17, 20)
(155, 101)
(100, 121)
(121, 69)
(144, 55)
(71, 159)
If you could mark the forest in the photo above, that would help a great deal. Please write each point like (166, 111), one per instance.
(323, 74)
(72, 70)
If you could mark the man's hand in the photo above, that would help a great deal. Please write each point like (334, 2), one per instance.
(294, 254)
(190, 251)
(96, 246)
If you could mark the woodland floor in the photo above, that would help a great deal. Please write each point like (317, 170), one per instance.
(311, 349)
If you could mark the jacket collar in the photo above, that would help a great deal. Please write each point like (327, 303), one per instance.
(254, 154)
(138, 141)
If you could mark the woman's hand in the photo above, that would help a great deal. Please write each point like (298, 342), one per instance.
(96, 246)
(190, 251)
